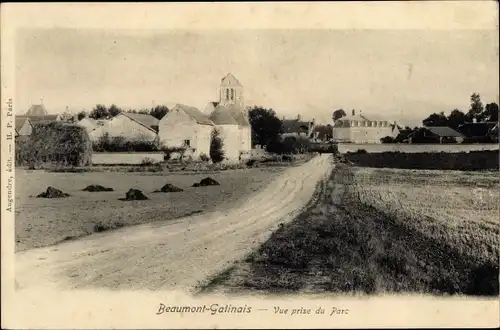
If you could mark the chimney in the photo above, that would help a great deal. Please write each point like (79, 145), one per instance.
(299, 117)
(353, 112)
(314, 121)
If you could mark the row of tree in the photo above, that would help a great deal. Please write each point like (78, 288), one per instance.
(477, 112)
(100, 111)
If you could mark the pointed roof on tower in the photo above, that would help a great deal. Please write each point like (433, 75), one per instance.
(230, 80)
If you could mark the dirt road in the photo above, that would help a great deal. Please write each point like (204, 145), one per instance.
(172, 255)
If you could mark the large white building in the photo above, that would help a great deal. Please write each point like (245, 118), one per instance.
(359, 129)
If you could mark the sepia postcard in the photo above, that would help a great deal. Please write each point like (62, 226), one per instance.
(250, 165)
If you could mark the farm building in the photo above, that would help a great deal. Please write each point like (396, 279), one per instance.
(231, 119)
(23, 126)
(479, 132)
(131, 126)
(188, 128)
(359, 129)
(435, 134)
(297, 127)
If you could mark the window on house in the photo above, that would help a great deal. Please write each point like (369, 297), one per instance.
(227, 94)
(187, 143)
(232, 94)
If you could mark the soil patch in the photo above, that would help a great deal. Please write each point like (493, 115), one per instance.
(169, 188)
(97, 188)
(134, 195)
(52, 192)
(206, 182)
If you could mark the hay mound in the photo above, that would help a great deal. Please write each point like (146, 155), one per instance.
(52, 192)
(169, 188)
(97, 188)
(206, 182)
(134, 195)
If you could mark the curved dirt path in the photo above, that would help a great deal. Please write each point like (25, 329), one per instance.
(172, 255)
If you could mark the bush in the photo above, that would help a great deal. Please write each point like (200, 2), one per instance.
(120, 144)
(204, 158)
(216, 147)
(387, 139)
(54, 143)
(290, 145)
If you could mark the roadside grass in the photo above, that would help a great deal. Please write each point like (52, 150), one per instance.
(344, 245)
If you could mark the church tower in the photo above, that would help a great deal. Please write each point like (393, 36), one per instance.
(231, 91)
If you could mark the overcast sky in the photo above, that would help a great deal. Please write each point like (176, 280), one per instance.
(389, 74)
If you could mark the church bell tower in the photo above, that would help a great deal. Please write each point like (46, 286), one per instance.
(231, 91)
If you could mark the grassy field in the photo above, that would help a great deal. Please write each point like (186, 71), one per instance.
(376, 231)
(41, 222)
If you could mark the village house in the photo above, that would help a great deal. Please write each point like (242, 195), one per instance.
(359, 129)
(131, 126)
(479, 132)
(186, 127)
(231, 119)
(297, 128)
(322, 133)
(435, 134)
(23, 126)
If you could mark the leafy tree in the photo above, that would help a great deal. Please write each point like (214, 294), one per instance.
(476, 107)
(143, 112)
(456, 118)
(436, 119)
(81, 115)
(131, 111)
(216, 147)
(100, 111)
(266, 127)
(337, 114)
(159, 111)
(491, 112)
(114, 110)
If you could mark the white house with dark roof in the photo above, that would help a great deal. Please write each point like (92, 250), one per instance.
(357, 128)
(231, 119)
(131, 126)
(188, 128)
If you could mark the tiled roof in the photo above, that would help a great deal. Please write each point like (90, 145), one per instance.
(230, 79)
(294, 126)
(229, 115)
(20, 121)
(42, 119)
(143, 119)
(443, 131)
(476, 129)
(194, 113)
(37, 110)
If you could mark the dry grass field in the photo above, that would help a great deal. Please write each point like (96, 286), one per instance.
(42, 221)
(377, 231)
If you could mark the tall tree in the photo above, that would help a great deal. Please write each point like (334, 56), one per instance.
(100, 111)
(114, 110)
(456, 118)
(436, 119)
(266, 127)
(491, 112)
(476, 107)
(337, 114)
(81, 115)
(159, 111)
